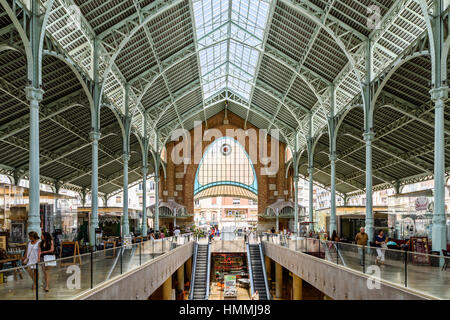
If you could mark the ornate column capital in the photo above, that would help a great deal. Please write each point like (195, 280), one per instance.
(95, 135)
(125, 156)
(310, 170)
(368, 136)
(34, 94)
(144, 170)
(439, 93)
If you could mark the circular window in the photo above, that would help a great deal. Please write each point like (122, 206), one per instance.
(226, 149)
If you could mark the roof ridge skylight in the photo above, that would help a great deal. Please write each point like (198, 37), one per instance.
(228, 40)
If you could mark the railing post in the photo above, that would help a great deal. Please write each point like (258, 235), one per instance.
(406, 268)
(36, 278)
(364, 258)
(121, 260)
(337, 252)
(140, 253)
(92, 269)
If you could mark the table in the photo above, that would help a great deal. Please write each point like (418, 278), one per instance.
(13, 259)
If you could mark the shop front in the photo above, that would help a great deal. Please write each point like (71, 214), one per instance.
(411, 215)
(350, 219)
(171, 215)
(58, 213)
(109, 221)
(280, 215)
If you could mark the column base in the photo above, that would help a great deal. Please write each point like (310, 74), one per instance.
(439, 237)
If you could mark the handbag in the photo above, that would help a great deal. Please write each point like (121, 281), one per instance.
(50, 260)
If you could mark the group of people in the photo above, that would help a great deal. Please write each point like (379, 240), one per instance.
(39, 249)
(158, 234)
(381, 243)
(213, 232)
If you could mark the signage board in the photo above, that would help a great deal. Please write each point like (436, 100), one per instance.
(230, 290)
(127, 241)
(421, 204)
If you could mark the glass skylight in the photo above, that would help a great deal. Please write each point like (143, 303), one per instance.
(228, 39)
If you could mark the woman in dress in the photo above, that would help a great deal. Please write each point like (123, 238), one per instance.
(46, 247)
(31, 256)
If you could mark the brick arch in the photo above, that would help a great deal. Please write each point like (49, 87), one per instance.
(187, 182)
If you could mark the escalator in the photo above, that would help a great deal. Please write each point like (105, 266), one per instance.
(257, 271)
(201, 272)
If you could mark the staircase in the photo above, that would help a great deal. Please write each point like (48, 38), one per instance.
(258, 274)
(200, 281)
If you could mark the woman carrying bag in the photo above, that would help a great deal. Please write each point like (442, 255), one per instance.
(47, 255)
(31, 256)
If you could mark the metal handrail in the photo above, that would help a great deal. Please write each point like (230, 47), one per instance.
(263, 263)
(208, 270)
(191, 292)
(250, 272)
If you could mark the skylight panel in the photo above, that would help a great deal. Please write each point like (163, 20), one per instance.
(229, 39)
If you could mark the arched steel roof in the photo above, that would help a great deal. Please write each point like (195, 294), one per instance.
(272, 61)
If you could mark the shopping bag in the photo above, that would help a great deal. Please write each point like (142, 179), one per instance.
(50, 260)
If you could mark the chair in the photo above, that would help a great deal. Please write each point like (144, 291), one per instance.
(447, 258)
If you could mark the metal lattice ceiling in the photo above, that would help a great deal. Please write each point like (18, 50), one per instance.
(273, 61)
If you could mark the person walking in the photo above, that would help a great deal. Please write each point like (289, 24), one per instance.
(361, 240)
(380, 241)
(46, 249)
(31, 256)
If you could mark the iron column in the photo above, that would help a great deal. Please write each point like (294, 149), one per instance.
(368, 137)
(439, 231)
(156, 227)
(439, 94)
(144, 200)
(34, 95)
(311, 196)
(126, 226)
(333, 193)
(294, 160)
(95, 137)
